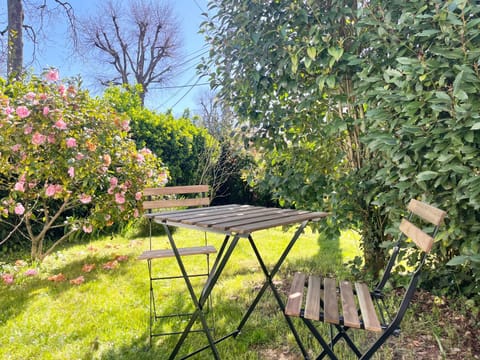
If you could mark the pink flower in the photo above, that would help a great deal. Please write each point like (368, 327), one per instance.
(71, 171)
(121, 258)
(88, 267)
(8, 110)
(38, 139)
(28, 129)
(31, 272)
(136, 213)
(85, 199)
(30, 96)
(61, 89)
(110, 265)
(138, 196)
(46, 110)
(19, 186)
(19, 209)
(57, 278)
(113, 181)
(61, 125)
(71, 142)
(52, 75)
(126, 125)
(119, 198)
(77, 281)
(22, 112)
(51, 139)
(107, 160)
(7, 278)
(87, 229)
(79, 156)
(53, 189)
(140, 158)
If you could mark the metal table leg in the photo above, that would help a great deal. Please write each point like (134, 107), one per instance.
(269, 283)
(220, 262)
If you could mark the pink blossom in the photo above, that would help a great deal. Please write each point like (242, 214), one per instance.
(22, 112)
(19, 209)
(52, 75)
(46, 110)
(85, 199)
(126, 125)
(107, 160)
(51, 138)
(119, 198)
(61, 89)
(111, 190)
(145, 151)
(31, 272)
(71, 171)
(19, 186)
(79, 156)
(138, 196)
(7, 278)
(77, 281)
(71, 142)
(136, 214)
(38, 139)
(8, 110)
(30, 96)
(140, 158)
(87, 229)
(113, 181)
(53, 189)
(61, 125)
(28, 129)
(16, 147)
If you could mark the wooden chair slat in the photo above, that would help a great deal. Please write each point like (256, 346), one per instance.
(295, 296)
(427, 212)
(173, 203)
(165, 253)
(423, 240)
(312, 303)
(350, 314)
(330, 301)
(175, 190)
(369, 316)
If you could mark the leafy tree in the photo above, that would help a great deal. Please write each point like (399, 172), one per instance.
(66, 161)
(289, 69)
(424, 120)
(138, 42)
(37, 14)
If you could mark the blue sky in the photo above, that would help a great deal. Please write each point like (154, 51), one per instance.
(183, 91)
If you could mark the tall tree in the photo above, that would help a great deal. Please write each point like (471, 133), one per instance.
(37, 12)
(138, 40)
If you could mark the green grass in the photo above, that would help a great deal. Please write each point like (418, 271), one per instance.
(106, 317)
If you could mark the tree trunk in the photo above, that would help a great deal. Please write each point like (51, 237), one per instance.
(15, 38)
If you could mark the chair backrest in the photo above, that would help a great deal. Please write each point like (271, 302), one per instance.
(422, 234)
(170, 197)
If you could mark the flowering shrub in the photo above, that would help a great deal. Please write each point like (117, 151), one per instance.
(66, 161)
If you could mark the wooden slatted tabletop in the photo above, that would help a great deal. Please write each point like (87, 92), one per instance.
(235, 219)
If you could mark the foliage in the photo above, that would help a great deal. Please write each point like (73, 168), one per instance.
(180, 144)
(424, 119)
(301, 76)
(67, 163)
(288, 70)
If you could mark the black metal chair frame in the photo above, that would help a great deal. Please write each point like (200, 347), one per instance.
(390, 321)
(152, 254)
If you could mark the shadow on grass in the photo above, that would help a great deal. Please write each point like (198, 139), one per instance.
(16, 297)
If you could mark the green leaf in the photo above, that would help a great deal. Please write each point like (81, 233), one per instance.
(312, 52)
(429, 32)
(335, 52)
(427, 175)
(475, 126)
(458, 260)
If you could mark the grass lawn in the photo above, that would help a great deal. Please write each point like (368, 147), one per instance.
(104, 315)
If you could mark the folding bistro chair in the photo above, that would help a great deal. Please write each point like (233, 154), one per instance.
(359, 307)
(168, 198)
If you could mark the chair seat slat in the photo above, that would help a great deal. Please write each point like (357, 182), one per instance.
(165, 253)
(295, 297)
(330, 301)
(367, 308)
(312, 303)
(350, 315)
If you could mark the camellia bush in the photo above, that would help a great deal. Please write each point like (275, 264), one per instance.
(67, 163)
